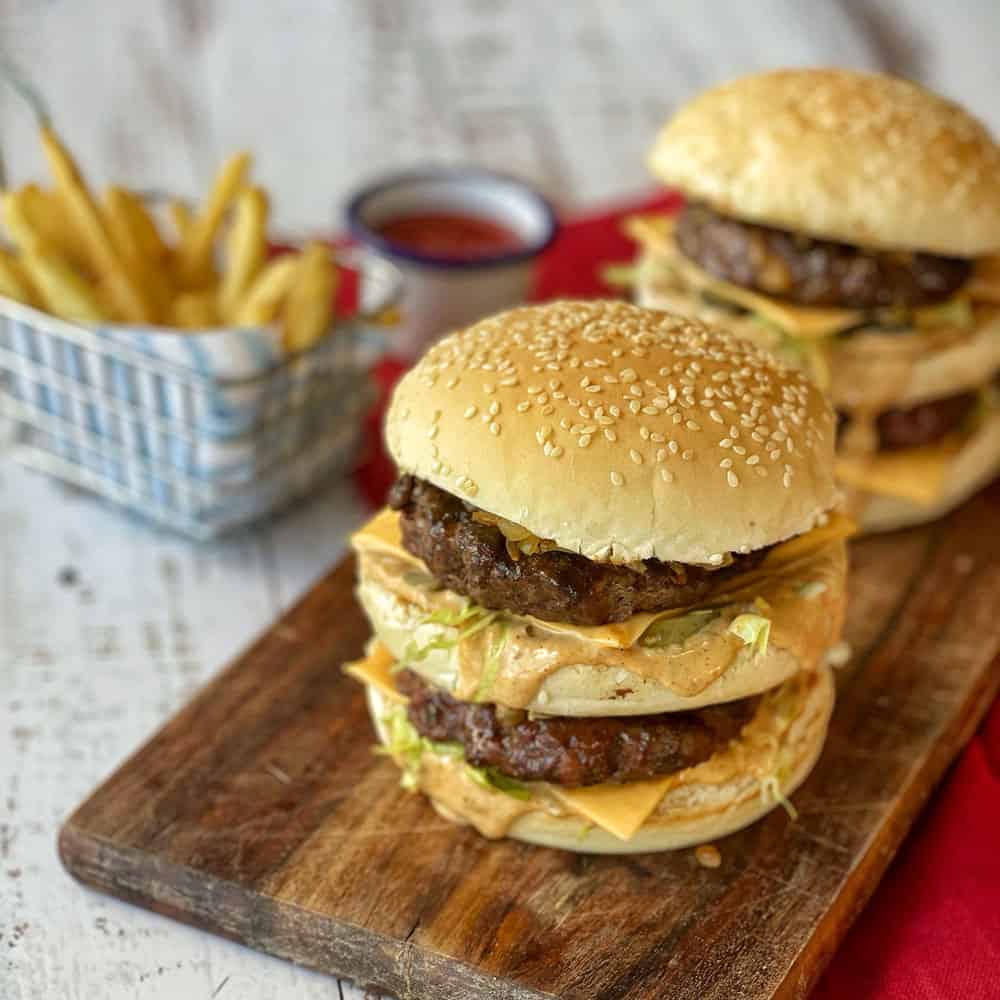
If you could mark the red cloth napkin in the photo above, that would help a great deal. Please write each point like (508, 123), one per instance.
(932, 929)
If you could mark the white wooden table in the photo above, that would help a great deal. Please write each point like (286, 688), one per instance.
(107, 628)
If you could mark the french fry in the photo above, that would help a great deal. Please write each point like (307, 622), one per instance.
(87, 220)
(309, 307)
(195, 256)
(17, 221)
(195, 311)
(63, 291)
(245, 249)
(14, 282)
(123, 229)
(45, 211)
(145, 227)
(182, 219)
(268, 291)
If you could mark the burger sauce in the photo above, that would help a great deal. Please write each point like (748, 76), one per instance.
(448, 234)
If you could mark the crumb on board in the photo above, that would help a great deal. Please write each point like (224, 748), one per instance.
(708, 856)
(838, 655)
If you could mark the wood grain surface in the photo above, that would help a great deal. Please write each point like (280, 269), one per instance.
(260, 813)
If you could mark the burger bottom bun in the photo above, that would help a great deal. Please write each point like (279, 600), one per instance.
(974, 467)
(711, 800)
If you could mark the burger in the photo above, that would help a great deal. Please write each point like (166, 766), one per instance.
(605, 585)
(851, 222)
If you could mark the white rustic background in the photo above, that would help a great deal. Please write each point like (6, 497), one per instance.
(107, 628)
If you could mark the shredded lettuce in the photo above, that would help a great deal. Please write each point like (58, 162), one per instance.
(491, 778)
(406, 746)
(485, 686)
(619, 275)
(472, 617)
(754, 630)
(770, 791)
(675, 631)
(811, 589)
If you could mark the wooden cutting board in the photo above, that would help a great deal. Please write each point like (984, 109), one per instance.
(260, 813)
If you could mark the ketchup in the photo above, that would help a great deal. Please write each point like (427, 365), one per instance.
(447, 234)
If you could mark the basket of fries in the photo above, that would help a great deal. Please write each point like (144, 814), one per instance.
(189, 376)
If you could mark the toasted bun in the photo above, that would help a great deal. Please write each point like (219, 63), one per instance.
(711, 800)
(880, 371)
(709, 668)
(618, 432)
(842, 155)
(974, 467)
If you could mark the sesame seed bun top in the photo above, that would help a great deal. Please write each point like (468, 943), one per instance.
(618, 432)
(836, 154)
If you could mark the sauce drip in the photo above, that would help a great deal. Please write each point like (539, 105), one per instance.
(449, 234)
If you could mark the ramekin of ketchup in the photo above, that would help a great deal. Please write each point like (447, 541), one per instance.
(464, 239)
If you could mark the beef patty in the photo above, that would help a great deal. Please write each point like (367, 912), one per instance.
(472, 559)
(813, 272)
(568, 751)
(923, 424)
(926, 423)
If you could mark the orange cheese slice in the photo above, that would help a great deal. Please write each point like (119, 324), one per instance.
(619, 809)
(916, 474)
(376, 669)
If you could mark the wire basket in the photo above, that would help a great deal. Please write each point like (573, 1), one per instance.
(198, 432)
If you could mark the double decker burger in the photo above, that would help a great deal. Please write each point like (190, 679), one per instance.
(607, 580)
(851, 221)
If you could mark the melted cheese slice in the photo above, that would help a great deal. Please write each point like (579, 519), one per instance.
(376, 669)
(619, 809)
(916, 474)
(382, 533)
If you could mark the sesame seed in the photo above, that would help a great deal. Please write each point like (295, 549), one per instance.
(523, 406)
(584, 440)
(753, 459)
(556, 452)
(547, 411)
(451, 383)
(732, 478)
(470, 411)
(432, 431)
(617, 479)
(489, 388)
(661, 454)
(687, 455)
(674, 447)
(666, 475)
(635, 456)
(726, 463)
(739, 449)
(691, 425)
(610, 434)
(494, 428)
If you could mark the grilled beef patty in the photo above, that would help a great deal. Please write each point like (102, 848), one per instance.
(923, 424)
(812, 272)
(472, 559)
(572, 752)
